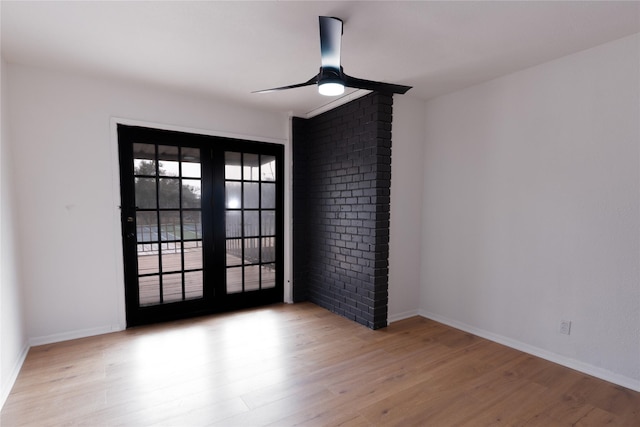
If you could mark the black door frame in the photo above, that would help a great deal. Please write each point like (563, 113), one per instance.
(215, 299)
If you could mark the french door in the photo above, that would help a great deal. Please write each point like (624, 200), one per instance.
(202, 223)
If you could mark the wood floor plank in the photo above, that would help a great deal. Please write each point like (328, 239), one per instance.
(299, 364)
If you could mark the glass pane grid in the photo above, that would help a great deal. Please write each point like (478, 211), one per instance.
(169, 224)
(250, 221)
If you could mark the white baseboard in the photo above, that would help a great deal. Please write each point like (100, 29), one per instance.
(577, 365)
(401, 316)
(9, 382)
(72, 335)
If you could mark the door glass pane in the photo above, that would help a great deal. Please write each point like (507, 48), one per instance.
(172, 287)
(268, 223)
(168, 161)
(234, 252)
(234, 280)
(191, 162)
(149, 290)
(191, 193)
(251, 167)
(195, 245)
(148, 248)
(268, 168)
(251, 251)
(192, 225)
(146, 227)
(251, 223)
(144, 156)
(233, 164)
(251, 197)
(168, 247)
(145, 189)
(233, 195)
(233, 224)
(148, 260)
(193, 284)
(169, 193)
(268, 249)
(268, 196)
(172, 258)
(192, 256)
(144, 167)
(268, 272)
(170, 225)
(252, 278)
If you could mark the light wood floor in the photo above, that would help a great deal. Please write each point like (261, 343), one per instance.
(299, 364)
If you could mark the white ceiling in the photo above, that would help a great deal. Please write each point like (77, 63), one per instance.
(228, 49)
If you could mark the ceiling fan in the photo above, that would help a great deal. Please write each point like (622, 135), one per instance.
(331, 79)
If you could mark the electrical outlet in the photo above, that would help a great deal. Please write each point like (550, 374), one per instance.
(565, 327)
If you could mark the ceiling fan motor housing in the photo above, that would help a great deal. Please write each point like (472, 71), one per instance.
(330, 75)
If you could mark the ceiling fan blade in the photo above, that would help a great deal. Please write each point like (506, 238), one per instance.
(374, 86)
(313, 80)
(330, 41)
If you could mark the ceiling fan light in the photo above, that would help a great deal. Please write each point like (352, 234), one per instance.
(331, 89)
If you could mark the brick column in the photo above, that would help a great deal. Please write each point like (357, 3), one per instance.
(341, 194)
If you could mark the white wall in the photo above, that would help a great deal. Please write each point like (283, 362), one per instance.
(13, 338)
(406, 206)
(531, 210)
(66, 177)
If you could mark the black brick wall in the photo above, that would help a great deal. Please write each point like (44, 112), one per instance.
(341, 188)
